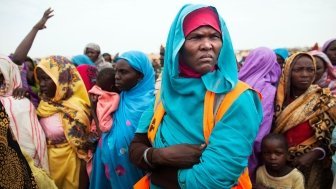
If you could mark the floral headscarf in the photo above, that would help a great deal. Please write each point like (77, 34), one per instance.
(71, 101)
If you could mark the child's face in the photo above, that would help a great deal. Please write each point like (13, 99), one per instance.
(274, 154)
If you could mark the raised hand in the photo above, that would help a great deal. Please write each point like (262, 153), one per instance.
(40, 25)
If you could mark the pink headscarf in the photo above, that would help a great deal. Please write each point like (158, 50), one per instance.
(328, 78)
(326, 44)
(12, 77)
(200, 17)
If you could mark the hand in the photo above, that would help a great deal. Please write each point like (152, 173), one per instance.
(180, 156)
(93, 100)
(20, 93)
(40, 25)
(306, 160)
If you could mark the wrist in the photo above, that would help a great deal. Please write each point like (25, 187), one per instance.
(156, 156)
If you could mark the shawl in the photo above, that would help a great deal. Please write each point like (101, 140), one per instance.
(316, 105)
(15, 171)
(107, 104)
(328, 78)
(23, 120)
(71, 100)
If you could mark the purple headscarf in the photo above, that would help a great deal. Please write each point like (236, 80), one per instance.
(262, 72)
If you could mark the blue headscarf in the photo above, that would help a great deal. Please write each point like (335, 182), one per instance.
(132, 104)
(282, 52)
(82, 59)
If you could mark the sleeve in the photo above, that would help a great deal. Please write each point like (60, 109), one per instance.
(145, 119)
(299, 181)
(230, 145)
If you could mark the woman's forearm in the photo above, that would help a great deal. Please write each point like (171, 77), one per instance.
(22, 50)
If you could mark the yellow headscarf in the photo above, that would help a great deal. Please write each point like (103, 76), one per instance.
(71, 100)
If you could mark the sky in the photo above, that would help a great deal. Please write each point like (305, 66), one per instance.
(122, 25)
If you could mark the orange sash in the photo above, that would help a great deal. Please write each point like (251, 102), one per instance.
(209, 121)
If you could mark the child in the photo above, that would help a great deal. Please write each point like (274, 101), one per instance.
(275, 173)
(104, 98)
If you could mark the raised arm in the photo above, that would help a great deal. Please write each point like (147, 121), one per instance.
(22, 50)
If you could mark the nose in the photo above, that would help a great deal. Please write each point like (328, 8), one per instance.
(206, 44)
(117, 76)
(273, 156)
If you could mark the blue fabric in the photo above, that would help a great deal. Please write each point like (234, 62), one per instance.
(114, 147)
(231, 141)
(82, 59)
(282, 52)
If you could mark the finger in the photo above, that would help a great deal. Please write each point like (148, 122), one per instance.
(203, 146)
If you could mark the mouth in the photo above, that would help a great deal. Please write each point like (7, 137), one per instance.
(305, 82)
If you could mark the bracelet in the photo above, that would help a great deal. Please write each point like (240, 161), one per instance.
(322, 150)
(145, 158)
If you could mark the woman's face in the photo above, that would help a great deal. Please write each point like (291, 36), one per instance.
(302, 74)
(92, 54)
(331, 52)
(30, 73)
(280, 61)
(47, 85)
(320, 68)
(201, 49)
(126, 77)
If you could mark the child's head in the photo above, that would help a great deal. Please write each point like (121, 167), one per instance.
(106, 80)
(274, 149)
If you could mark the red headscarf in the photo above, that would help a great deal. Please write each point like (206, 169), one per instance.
(200, 17)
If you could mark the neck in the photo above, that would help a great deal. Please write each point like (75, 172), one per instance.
(279, 173)
(295, 93)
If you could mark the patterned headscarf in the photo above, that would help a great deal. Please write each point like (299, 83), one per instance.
(71, 101)
(12, 77)
(328, 78)
(283, 90)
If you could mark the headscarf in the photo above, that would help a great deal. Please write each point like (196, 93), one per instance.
(283, 90)
(282, 52)
(262, 72)
(11, 74)
(24, 123)
(82, 59)
(328, 78)
(71, 101)
(221, 80)
(93, 46)
(326, 44)
(260, 68)
(88, 74)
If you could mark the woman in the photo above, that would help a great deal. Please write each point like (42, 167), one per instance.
(15, 171)
(262, 72)
(65, 111)
(329, 48)
(135, 79)
(22, 114)
(199, 61)
(306, 115)
(325, 73)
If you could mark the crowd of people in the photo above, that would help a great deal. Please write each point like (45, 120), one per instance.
(204, 120)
